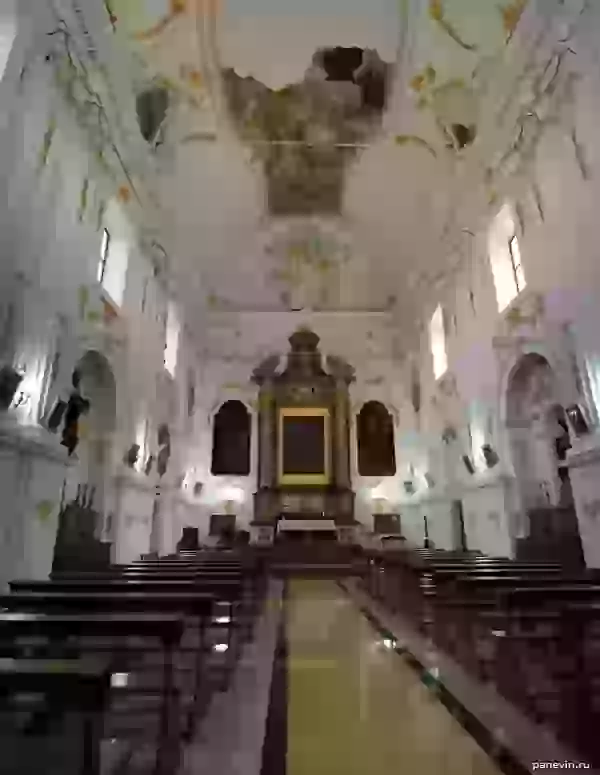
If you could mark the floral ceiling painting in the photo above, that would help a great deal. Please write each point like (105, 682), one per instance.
(166, 40)
(492, 76)
(307, 258)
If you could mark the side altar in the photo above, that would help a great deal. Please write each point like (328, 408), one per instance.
(304, 442)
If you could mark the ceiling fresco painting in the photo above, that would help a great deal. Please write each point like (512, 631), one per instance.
(331, 117)
(307, 133)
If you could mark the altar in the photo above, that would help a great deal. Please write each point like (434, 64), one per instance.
(304, 436)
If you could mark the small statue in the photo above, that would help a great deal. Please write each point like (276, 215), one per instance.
(162, 462)
(164, 442)
(10, 379)
(76, 406)
(131, 456)
(490, 456)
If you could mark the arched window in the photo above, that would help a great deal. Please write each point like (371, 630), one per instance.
(231, 440)
(375, 434)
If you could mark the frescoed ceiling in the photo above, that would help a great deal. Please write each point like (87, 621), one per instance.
(287, 191)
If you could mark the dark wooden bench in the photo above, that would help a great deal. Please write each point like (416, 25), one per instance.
(528, 628)
(51, 713)
(29, 635)
(232, 609)
(67, 614)
(197, 607)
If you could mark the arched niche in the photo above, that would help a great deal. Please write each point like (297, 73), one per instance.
(97, 385)
(375, 440)
(538, 433)
(231, 440)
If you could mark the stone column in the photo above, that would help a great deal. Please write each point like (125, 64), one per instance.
(266, 422)
(341, 436)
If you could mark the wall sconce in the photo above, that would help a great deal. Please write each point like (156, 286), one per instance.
(468, 464)
(233, 494)
(577, 420)
(449, 435)
(409, 487)
(490, 456)
(198, 486)
(380, 505)
(377, 493)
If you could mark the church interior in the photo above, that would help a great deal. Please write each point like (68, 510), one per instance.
(299, 387)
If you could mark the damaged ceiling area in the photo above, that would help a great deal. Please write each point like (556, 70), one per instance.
(339, 156)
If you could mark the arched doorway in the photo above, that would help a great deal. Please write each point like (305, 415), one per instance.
(231, 440)
(539, 439)
(97, 385)
(375, 440)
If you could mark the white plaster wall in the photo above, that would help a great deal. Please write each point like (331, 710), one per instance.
(488, 520)
(50, 258)
(236, 344)
(57, 255)
(559, 257)
(32, 475)
(132, 524)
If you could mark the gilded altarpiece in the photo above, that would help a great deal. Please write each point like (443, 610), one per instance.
(304, 436)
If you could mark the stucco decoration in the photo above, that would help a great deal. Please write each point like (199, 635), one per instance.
(340, 369)
(308, 256)
(487, 81)
(267, 369)
(307, 133)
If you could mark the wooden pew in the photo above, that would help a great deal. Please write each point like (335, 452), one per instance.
(404, 582)
(239, 603)
(71, 694)
(253, 581)
(228, 588)
(89, 602)
(77, 636)
(526, 627)
(197, 607)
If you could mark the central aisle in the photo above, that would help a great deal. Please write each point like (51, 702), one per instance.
(355, 707)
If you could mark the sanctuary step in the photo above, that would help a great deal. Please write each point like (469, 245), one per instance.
(313, 557)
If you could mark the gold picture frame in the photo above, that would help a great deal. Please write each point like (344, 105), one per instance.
(305, 479)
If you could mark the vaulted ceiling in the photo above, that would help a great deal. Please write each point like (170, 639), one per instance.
(285, 188)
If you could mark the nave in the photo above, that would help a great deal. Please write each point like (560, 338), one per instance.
(354, 705)
(223, 660)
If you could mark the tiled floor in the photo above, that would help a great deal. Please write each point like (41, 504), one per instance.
(342, 701)
(355, 706)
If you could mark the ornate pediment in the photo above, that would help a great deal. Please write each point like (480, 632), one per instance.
(304, 359)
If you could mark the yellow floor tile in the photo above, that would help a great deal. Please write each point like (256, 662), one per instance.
(355, 707)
